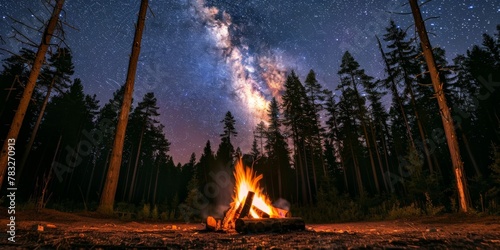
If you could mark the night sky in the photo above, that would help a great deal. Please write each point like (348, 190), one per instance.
(204, 58)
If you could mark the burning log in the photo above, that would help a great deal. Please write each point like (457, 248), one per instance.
(214, 224)
(283, 212)
(260, 225)
(260, 213)
(234, 213)
(251, 209)
(246, 206)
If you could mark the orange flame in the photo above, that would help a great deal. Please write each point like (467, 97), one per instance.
(247, 180)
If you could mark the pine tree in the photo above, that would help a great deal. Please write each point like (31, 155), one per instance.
(495, 165)
(313, 106)
(229, 130)
(106, 121)
(206, 164)
(402, 62)
(464, 104)
(296, 121)
(226, 151)
(29, 87)
(54, 75)
(348, 134)
(254, 151)
(353, 77)
(277, 147)
(378, 126)
(333, 139)
(189, 182)
(447, 120)
(143, 121)
(397, 113)
(16, 70)
(65, 152)
(109, 190)
(260, 135)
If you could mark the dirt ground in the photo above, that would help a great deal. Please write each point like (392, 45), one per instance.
(51, 229)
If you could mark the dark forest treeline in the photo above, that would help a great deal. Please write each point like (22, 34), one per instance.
(369, 146)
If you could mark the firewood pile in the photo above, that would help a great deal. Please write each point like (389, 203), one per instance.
(242, 220)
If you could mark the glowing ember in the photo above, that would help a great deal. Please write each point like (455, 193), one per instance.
(247, 181)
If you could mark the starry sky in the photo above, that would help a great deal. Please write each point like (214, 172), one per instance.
(203, 58)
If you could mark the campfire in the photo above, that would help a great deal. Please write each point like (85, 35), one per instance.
(251, 210)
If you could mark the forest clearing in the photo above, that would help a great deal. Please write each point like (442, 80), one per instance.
(88, 230)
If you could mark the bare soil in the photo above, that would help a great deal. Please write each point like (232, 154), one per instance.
(50, 229)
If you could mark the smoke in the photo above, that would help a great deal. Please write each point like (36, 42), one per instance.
(282, 203)
(253, 78)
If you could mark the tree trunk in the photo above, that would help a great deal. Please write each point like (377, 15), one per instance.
(109, 191)
(386, 154)
(422, 132)
(30, 86)
(303, 186)
(35, 131)
(446, 117)
(314, 170)
(306, 168)
(90, 181)
(365, 131)
(342, 163)
(134, 173)
(103, 177)
(377, 152)
(395, 93)
(128, 175)
(372, 162)
(156, 181)
(469, 152)
(357, 171)
(280, 187)
(149, 185)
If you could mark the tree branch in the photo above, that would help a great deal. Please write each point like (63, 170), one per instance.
(39, 19)
(24, 24)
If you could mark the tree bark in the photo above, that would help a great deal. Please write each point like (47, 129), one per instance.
(340, 153)
(377, 153)
(35, 131)
(156, 180)
(134, 173)
(469, 151)
(446, 117)
(365, 132)
(356, 170)
(109, 190)
(128, 174)
(15, 127)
